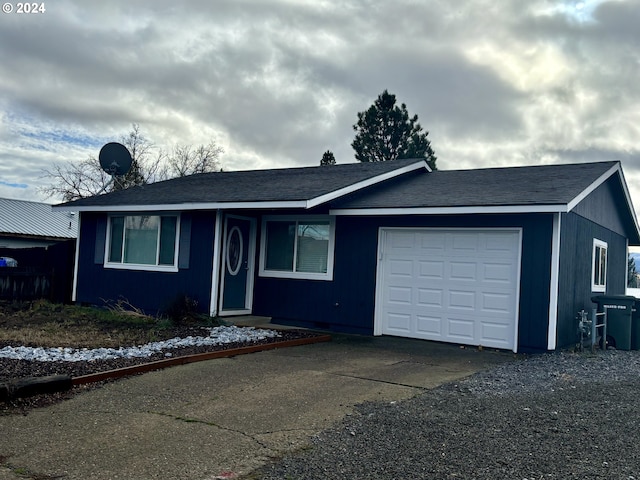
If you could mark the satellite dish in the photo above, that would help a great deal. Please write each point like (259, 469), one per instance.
(115, 159)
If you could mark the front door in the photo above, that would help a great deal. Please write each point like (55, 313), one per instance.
(238, 253)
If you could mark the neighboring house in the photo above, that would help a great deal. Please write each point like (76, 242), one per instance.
(499, 257)
(25, 224)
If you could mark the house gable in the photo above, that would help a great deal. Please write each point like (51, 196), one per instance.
(545, 188)
(606, 205)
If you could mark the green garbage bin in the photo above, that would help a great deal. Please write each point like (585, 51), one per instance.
(635, 326)
(619, 318)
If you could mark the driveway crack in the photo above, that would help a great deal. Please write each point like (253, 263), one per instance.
(379, 381)
(210, 424)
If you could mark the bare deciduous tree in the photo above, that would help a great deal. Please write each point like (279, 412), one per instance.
(187, 160)
(72, 181)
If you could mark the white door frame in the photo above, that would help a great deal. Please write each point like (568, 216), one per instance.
(251, 256)
(379, 294)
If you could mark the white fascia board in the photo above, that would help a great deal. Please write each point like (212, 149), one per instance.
(184, 206)
(599, 181)
(552, 333)
(450, 210)
(327, 197)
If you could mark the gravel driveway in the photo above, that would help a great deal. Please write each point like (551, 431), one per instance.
(551, 416)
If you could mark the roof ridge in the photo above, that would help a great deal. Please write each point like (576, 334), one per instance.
(547, 165)
(25, 201)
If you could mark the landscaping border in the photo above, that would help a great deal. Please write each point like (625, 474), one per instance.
(38, 385)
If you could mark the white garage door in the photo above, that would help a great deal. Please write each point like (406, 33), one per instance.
(450, 285)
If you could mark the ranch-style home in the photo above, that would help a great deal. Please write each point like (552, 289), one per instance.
(496, 257)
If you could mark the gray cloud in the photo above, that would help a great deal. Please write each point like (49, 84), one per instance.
(277, 83)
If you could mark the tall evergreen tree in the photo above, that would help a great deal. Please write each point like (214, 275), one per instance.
(386, 132)
(632, 273)
(328, 158)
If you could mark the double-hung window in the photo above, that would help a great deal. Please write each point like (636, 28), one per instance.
(599, 266)
(297, 247)
(145, 242)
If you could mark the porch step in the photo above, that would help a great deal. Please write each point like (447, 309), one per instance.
(257, 322)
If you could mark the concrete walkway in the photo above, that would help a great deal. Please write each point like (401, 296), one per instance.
(223, 418)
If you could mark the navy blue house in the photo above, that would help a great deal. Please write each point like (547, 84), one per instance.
(498, 257)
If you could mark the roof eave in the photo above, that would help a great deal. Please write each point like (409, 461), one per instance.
(456, 210)
(29, 236)
(171, 207)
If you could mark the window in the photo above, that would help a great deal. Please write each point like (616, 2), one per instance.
(294, 247)
(599, 266)
(142, 241)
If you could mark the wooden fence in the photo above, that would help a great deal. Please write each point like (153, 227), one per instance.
(43, 272)
(18, 284)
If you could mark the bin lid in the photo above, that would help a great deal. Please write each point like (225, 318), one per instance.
(614, 299)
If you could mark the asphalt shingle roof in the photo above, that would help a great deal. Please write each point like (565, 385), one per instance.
(20, 217)
(290, 184)
(534, 185)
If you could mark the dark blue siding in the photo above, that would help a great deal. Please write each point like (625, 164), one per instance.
(344, 304)
(151, 291)
(574, 279)
(605, 205)
(347, 303)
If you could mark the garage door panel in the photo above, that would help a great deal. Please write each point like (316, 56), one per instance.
(430, 297)
(496, 303)
(501, 243)
(400, 268)
(461, 329)
(495, 334)
(498, 272)
(467, 271)
(429, 325)
(450, 285)
(399, 323)
(402, 240)
(436, 244)
(463, 242)
(400, 295)
(430, 269)
(462, 300)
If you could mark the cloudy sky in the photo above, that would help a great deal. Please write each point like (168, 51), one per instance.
(278, 82)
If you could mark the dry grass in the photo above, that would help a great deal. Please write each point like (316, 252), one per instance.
(44, 324)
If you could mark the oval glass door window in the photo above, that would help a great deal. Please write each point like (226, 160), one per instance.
(234, 251)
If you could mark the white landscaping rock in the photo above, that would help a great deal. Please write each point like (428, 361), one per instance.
(217, 336)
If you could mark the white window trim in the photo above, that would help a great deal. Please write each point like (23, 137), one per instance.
(140, 266)
(263, 272)
(595, 287)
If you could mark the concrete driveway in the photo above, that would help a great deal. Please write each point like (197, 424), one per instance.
(223, 418)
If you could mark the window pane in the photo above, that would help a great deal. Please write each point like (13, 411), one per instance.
(603, 266)
(141, 239)
(280, 241)
(115, 242)
(167, 240)
(596, 266)
(313, 247)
